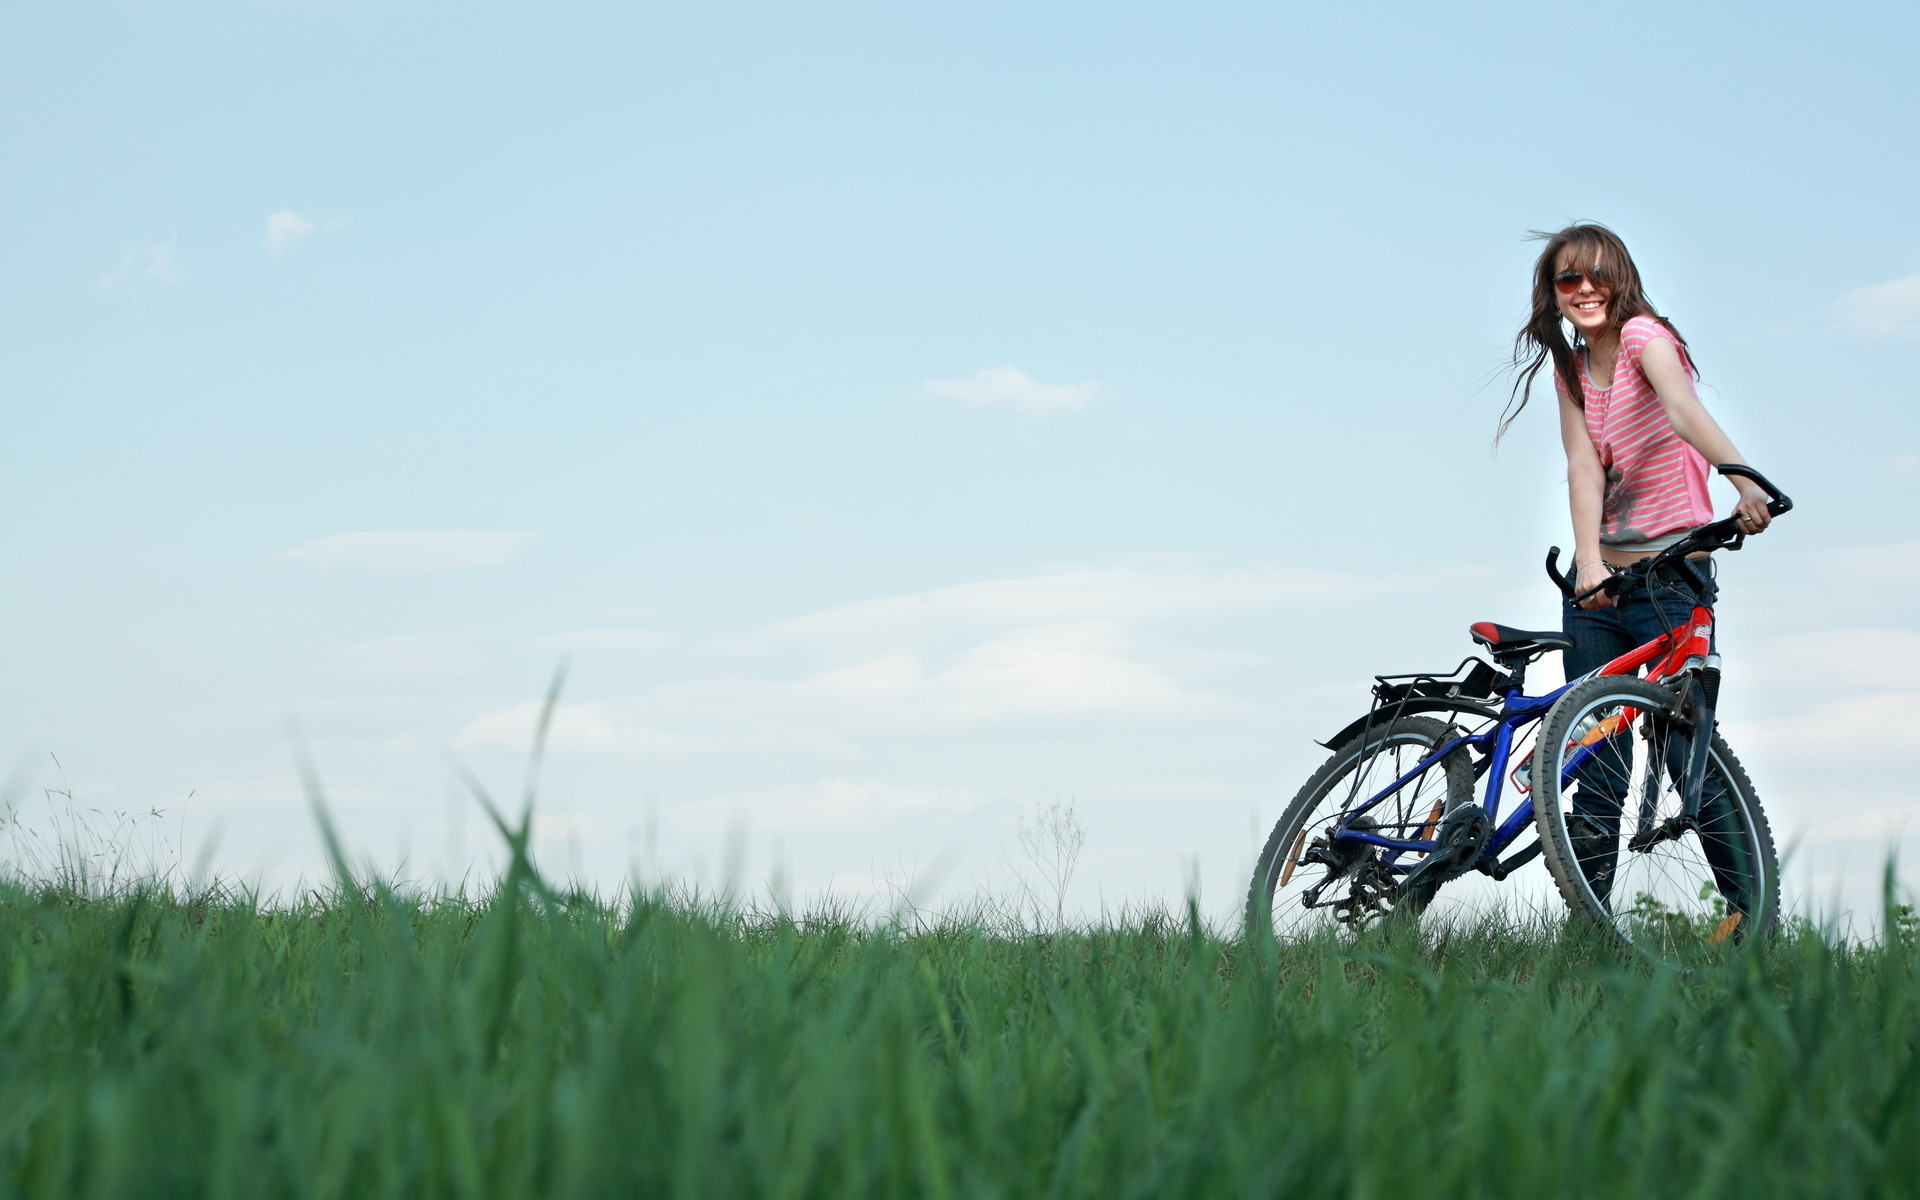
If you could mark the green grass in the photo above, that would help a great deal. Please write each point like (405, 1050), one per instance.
(365, 1043)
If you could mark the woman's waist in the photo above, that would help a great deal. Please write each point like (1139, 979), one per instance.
(1621, 556)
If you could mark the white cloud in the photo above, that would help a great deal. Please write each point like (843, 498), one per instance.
(592, 728)
(156, 261)
(1890, 309)
(410, 549)
(1896, 567)
(601, 642)
(1043, 676)
(1051, 653)
(1061, 670)
(1046, 672)
(843, 802)
(414, 653)
(1124, 594)
(1820, 660)
(284, 228)
(1842, 733)
(1856, 815)
(1010, 387)
(1058, 647)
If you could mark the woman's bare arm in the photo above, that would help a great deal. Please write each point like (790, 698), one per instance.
(1696, 426)
(1586, 491)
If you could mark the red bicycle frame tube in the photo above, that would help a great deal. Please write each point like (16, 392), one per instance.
(1691, 638)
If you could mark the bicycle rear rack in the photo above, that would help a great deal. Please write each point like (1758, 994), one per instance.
(1473, 679)
(1468, 688)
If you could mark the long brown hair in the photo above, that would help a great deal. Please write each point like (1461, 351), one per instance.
(1604, 256)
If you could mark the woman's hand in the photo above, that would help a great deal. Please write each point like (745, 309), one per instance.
(1592, 575)
(1752, 506)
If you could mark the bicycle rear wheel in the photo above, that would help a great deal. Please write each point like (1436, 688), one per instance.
(1608, 803)
(1306, 881)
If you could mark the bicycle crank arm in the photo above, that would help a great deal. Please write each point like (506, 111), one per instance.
(1457, 847)
(1500, 868)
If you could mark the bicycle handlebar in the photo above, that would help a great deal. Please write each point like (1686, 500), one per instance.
(1777, 501)
(1715, 535)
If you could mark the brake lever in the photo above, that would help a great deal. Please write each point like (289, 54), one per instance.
(1612, 584)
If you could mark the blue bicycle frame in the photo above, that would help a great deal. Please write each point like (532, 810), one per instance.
(1496, 746)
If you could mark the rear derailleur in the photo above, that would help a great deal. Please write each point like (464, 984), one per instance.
(1371, 889)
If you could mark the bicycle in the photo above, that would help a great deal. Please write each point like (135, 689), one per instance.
(1646, 820)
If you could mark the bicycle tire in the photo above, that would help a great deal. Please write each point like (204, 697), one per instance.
(1281, 877)
(1688, 896)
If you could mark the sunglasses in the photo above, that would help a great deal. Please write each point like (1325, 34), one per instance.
(1569, 281)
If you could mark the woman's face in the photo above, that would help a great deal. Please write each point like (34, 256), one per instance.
(1581, 301)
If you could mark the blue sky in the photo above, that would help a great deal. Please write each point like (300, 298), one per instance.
(900, 416)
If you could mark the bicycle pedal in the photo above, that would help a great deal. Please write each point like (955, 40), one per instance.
(1671, 829)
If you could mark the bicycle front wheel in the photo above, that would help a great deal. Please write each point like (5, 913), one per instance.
(1608, 801)
(1307, 880)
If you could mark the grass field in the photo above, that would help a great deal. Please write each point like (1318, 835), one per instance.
(364, 1043)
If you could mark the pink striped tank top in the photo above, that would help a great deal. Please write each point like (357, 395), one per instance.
(1656, 483)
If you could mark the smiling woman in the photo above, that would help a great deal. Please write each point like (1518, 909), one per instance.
(1636, 436)
(1637, 441)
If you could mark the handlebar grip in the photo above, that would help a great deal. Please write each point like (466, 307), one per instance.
(1777, 501)
(1560, 581)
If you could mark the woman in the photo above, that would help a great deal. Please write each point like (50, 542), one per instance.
(1638, 446)
(1637, 438)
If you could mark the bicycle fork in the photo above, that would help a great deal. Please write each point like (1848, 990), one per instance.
(1700, 693)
